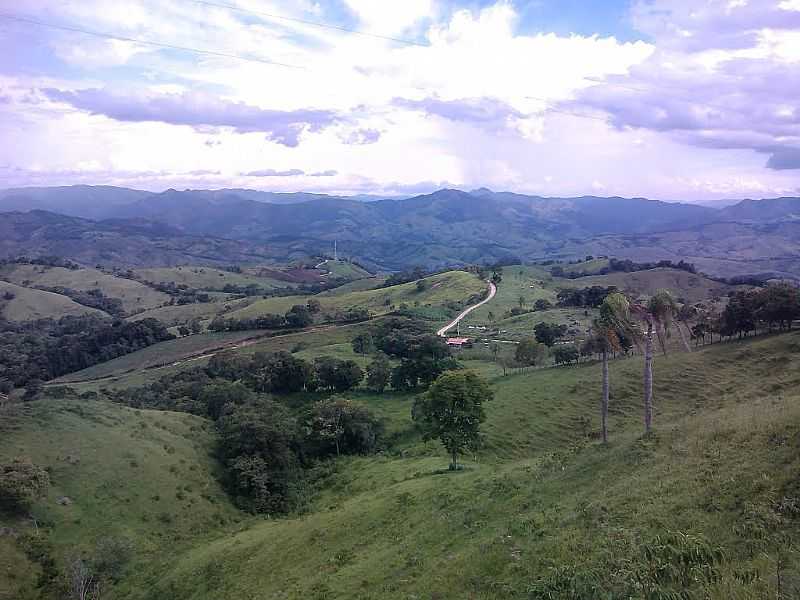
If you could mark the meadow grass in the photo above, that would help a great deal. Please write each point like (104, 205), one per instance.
(28, 304)
(135, 296)
(444, 288)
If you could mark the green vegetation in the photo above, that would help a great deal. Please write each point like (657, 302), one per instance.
(207, 278)
(452, 287)
(165, 353)
(339, 269)
(19, 303)
(143, 476)
(134, 295)
(334, 435)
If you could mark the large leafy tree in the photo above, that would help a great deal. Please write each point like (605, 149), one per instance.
(452, 411)
(529, 352)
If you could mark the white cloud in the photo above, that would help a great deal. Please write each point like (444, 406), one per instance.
(473, 110)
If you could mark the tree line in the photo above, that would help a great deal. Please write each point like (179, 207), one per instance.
(37, 351)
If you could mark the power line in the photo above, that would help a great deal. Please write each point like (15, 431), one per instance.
(311, 23)
(147, 42)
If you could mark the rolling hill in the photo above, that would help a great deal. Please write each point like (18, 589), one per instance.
(25, 304)
(142, 476)
(541, 509)
(442, 289)
(134, 295)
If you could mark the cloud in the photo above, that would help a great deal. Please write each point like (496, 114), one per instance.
(480, 111)
(274, 173)
(784, 159)
(328, 173)
(198, 110)
(361, 137)
(720, 79)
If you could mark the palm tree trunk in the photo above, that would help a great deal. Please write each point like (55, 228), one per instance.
(683, 337)
(648, 379)
(604, 404)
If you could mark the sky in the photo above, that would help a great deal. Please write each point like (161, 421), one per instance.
(671, 99)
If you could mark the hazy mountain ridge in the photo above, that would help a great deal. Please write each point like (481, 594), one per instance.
(444, 228)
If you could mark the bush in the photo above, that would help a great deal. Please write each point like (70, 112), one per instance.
(342, 426)
(21, 483)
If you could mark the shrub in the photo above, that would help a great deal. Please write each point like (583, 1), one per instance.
(21, 483)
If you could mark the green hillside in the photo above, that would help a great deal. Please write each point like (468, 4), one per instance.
(164, 353)
(178, 314)
(207, 278)
(541, 505)
(135, 296)
(441, 289)
(143, 476)
(691, 287)
(25, 304)
(340, 269)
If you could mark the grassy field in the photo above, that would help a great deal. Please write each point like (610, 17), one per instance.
(340, 269)
(543, 498)
(135, 296)
(587, 267)
(207, 278)
(453, 286)
(179, 314)
(29, 304)
(684, 285)
(543, 493)
(164, 353)
(144, 476)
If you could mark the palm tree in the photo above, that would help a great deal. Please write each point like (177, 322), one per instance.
(657, 314)
(613, 324)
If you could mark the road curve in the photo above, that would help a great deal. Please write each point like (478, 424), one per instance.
(466, 311)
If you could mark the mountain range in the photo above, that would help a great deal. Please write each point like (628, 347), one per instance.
(121, 226)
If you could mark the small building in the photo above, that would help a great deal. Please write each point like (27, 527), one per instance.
(459, 342)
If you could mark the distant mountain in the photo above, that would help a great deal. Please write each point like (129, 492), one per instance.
(88, 201)
(440, 229)
(100, 202)
(116, 242)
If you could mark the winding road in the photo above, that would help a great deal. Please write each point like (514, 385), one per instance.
(466, 311)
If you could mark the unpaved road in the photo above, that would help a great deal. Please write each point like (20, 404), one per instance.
(466, 311)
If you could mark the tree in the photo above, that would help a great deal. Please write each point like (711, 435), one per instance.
(259, 444)
(521, 301)
(83, 583)
(183, 330)
(21, 483)
(564, 355)
(314, 306)
(542, 304)
(529, 352)
(452, 410)
(337, 375)
(344, 426)
(196, 326)
(657, 315)
(609, 329)
(379, 373)
(221, 396)
(299, 316)
(280, 372)
(363, 343)
(422, 285)
(549, 333)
